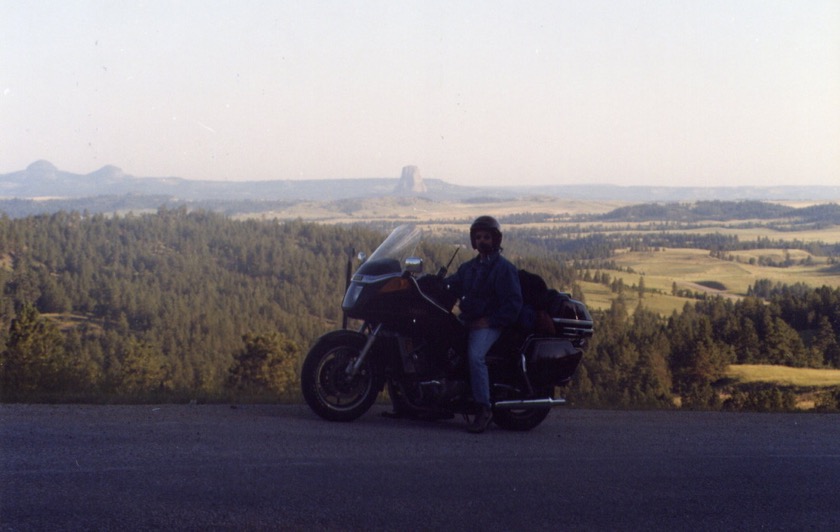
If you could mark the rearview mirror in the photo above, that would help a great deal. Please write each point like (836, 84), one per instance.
(414, 265)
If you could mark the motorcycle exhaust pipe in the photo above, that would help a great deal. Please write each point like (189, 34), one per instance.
(528, 403)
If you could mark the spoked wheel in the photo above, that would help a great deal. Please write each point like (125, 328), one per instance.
(522, 419)
(328, 388)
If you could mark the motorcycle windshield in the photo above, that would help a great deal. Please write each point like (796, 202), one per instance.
(399, 245)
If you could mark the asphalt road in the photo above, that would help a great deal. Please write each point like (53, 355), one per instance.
(268, 467)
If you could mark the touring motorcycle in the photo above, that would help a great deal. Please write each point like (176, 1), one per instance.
(411, 343)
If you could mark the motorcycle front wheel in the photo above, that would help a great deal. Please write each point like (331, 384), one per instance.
(327, 387)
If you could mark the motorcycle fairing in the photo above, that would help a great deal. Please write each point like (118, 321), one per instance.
(397, 302)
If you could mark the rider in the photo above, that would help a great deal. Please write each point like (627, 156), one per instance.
(490, 299)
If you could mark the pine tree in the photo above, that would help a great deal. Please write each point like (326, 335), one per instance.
(33, 356)
(826, 347)
(143, 370)
(267, 362)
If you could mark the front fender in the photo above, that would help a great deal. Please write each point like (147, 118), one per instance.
(349, 337)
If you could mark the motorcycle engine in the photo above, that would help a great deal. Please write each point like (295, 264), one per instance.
(442, 392)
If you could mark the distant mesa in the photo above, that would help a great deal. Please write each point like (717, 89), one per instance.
(42, 170)
(106, 190)
(108, 173)
(411, 182)
(46, 170)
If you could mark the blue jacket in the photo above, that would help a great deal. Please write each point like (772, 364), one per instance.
(487, 288)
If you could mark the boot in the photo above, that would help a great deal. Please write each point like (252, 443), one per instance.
(481, 420)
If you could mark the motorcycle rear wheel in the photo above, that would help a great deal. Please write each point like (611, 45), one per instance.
(327, 388)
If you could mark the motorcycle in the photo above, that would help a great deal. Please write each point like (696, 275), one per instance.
(412, 343)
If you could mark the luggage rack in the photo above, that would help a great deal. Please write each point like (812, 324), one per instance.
(567, 328)
(571, 317)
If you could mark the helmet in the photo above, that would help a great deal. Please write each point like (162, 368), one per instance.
(487, 223)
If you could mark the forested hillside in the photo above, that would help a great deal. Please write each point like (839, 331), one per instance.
(184, 305)
(724, 210)
(164, 300)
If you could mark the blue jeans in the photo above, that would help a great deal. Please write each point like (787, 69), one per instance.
(480, 341)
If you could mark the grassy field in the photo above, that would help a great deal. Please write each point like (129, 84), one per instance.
(689, 267)
(801, 377)
(811, 386)
(599, 296)
(696, 271)
(829, 235)
(419, 210)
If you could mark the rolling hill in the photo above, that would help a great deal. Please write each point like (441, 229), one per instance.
(43, 188)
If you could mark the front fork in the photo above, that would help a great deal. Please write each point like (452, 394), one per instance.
(354, 366)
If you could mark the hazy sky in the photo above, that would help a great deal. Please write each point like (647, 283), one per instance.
(632, 92)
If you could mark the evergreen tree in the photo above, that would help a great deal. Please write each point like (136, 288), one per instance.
(33, 357)
(143, 370)
(826, 347)
(267, 362)
(697, 360)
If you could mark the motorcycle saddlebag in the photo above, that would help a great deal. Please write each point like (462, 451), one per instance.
(551, 361)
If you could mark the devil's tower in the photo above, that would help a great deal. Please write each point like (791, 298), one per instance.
(411, 182)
